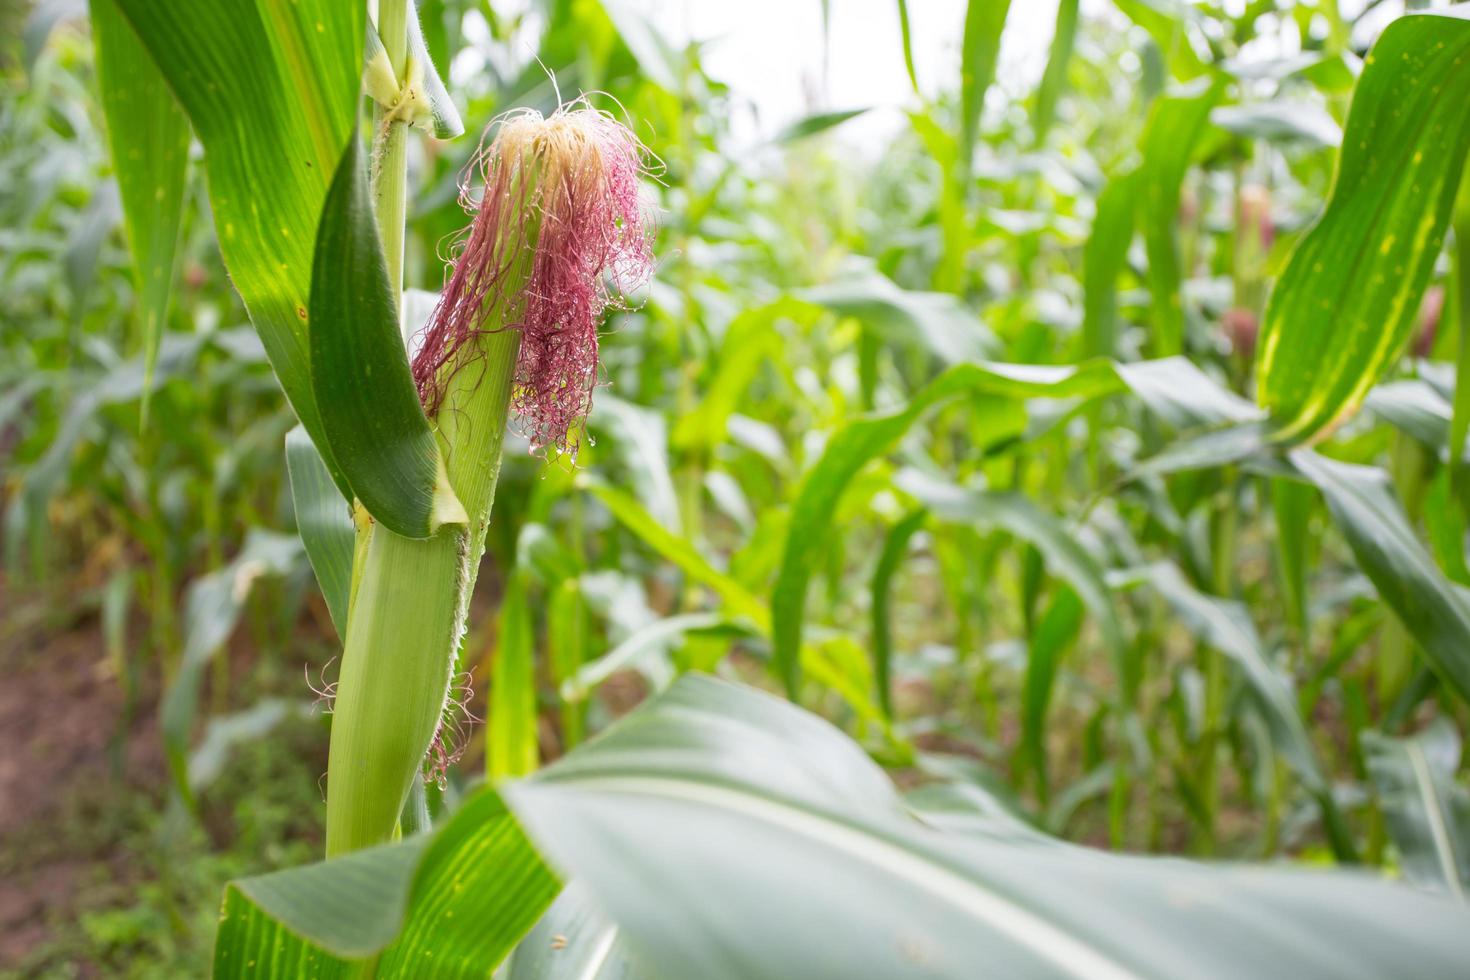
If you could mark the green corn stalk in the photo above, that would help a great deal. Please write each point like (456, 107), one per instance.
(409, 598)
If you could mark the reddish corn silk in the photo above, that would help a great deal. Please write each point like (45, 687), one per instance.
(559, 219)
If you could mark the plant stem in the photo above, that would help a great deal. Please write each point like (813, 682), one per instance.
(390, 145)
(404, 628)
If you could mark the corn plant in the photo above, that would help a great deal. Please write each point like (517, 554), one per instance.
(857, 501)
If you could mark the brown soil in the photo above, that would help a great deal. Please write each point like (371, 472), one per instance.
(62, 729)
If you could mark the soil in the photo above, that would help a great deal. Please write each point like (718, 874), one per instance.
(64, 731)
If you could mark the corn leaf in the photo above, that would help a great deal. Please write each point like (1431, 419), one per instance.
(1174, 128)
(512, 743)
(272, 92)
(1433, 609)
(573, 941)
(805, 821)
(324, 522)
(1054, 79)
(148, 135)
(452, 903)
(979, 54)
(1344, 308)
(371, 418)
(1428, 809)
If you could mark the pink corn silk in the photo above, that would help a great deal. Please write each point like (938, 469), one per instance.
(583, 168)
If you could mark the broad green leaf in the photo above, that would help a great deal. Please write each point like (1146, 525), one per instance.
(1054, 79)
(1103, 259)
(816, 123)
(512, 743)
(813, 841)
(1427, 807)
(375, 428)
(324, 521)
(1433, 609)
(573, 941)
(1345, 306)
(895, 550)
(272, 92)
(452, 903)
(979, 54)
(1174, 128)
(149, 139)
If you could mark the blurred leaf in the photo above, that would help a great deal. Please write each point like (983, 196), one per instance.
(641, 438)
(938, 321)
(212, 607)
(1428, 810)
(1173, 131)
(1434, 610)
(1017, 515)
(149, 138)
(636, 648)
(1054, 79)
(512, 743)
(1345, 306)
(657, 56)
(895, 551)
(458, 898)
(324, 521)
(816, 123)
(370, 413)
(979, 54)
(908, 44)
(1167, 22)
(1056, 630)
(1304, 122)
(814, 841)
(272, 93)
(1104, 258)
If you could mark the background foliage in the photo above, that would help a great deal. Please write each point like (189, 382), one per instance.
(955, 441)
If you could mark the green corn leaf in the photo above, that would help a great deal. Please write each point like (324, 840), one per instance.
(1171, 387)
(272, 92)
(573, 941)
(1103, 259)
(371, 418)
(938, 322)
(1345, 306)
(448, 904)
(813, 841)
(908, 44)
(816, 123)
(1175, 126)
(1055, 631)
(512, 743)
(1167, 22)
(632, 515)
(1428, 809)
(1433, 609)
(148, 135)
(1016, 514)
(324, 523)
(1054, 79)
(212, 608)
(895, 549)
(1302, 122)
(979, 54)
(1291, 504)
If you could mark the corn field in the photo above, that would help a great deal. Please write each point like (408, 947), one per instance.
(481, 498)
